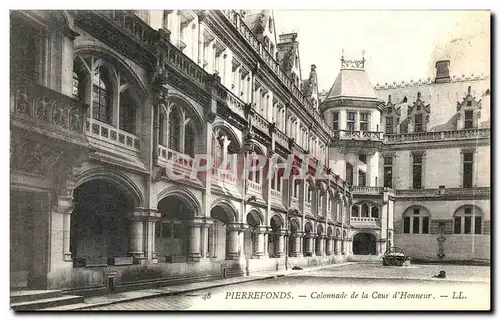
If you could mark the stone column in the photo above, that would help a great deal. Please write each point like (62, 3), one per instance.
(135, 241)
(152, 215)
(320, 250)
(64, 206)
(310, 244)
(194, 245)
(328, 245)
(258, 248)
(280, 248)
(298, 244)
(337, 246)
(232, 241)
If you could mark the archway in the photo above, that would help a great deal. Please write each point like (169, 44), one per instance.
(219, 242)
(99, 227)
(253, 240)
(294, 239)
(364, 244)
(308, 240)
(275, 247)
(172, 232)
(319, 241)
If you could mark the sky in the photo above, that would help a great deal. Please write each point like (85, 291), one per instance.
(398, 45)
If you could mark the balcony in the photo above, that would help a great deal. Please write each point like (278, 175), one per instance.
(437, 136)
(364, 222)
(280, 138)
(254, 188)
(260, 122)
(44, 111)
(358, 135)
(475, 193)
(174, 161)
(107, 137)
(356, 190)
(269, 60)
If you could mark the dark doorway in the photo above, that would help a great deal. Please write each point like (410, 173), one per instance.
(364, 244)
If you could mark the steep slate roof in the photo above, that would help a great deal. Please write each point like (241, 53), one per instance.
(257, 21)
(352, 83)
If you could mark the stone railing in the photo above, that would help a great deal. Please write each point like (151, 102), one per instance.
(457, 192)
(367, 190)
(45, 107)
(260, 122)
(438, 135)
(243, 29)
(358, 135)
(365, 219)
(255, 187)
(276, 195)
(179, 159)
(235, 104)
(108, 133)
(141, 31)
(280, 138)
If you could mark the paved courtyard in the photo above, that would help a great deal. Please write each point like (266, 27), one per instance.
(352, 287)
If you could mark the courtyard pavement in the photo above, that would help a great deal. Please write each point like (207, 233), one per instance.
(297, 290)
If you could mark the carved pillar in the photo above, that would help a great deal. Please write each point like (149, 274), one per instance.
(136, 236)
(232, 241)
(64, 206)
(280, 247)
(258, 248)
(194, 245)
(297, 237)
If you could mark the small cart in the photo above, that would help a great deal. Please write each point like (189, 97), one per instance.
(394, 256)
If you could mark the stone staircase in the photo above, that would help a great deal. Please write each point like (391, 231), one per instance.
(24, 300)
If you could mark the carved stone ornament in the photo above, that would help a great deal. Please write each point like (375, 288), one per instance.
(34, 158)
(211, 116)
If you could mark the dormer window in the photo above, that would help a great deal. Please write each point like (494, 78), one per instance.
(469, 119)
(469, 103)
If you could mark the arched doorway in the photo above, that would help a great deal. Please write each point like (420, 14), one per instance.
(308, 240)
(294, 239)
(99, 227)
(253, 240)
(275, 247)
(364, 244)
(172, 231)
(218, 237)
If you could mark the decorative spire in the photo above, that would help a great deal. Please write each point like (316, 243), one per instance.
(353, 64)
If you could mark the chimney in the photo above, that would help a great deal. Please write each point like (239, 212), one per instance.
(442, 71)
(287, 37)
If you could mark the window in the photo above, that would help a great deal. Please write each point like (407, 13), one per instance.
(296, 187)
(389, 125)
(349, 174)
(388, 172)
(389, 110)
(363, 122)
(361, 178)
(355, 211)
(468, 166)
(189, 140)
(406, 225)
(335, 122)
(467, 220)
(350, 121)
(374, 212)
(127, 112)
(174, 129)
(101, 95)
(469, 119)
(309, 193)
(418, 123)
(362, 158)
(417, 221)
(364, 210)
(417, 171)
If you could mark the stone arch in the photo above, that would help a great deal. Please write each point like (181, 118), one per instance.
(255, 217)
(377, 237)
(177, 99)
(228, 129)
(99, 51)
(364, 243)
(277, 222)
(319, 229)
(183, 193)
(230, 212)
(308, 228)
(115, 177)
(477, 209)
(294, 225)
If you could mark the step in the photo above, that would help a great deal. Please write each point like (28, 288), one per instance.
(46, 303)
(31, 295)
